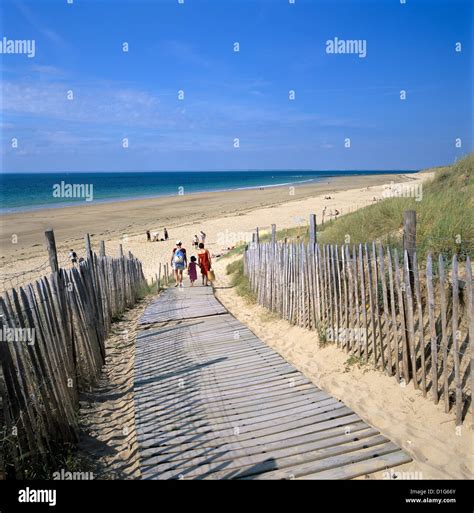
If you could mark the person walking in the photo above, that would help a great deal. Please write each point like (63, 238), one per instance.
(196, 241)
(165, 234)
(192, 270)
(73, 257)
(204, 263)
(203, 237)
(179, 262)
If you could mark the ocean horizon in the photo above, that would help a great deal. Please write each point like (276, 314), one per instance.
(34, 191)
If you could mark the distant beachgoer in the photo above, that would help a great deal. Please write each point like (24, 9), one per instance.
(165, 233)
(192, 270)
(196, 241)
(179, 262)
(73, 257)
(203, 237)
(204, 263)
(148, 235)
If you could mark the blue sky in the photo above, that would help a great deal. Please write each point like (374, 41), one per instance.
(227, 94)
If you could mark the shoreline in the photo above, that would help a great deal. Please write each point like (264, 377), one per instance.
(117, 199)
(223, 216)
(84, 203)
(58, 216)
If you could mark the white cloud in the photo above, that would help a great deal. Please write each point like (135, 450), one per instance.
(96, 105)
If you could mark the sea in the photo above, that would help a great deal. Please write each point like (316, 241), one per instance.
(32, 191)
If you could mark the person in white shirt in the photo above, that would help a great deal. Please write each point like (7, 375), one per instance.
(72, 257)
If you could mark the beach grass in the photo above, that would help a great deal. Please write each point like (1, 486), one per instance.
(239, 281)
(445, 216)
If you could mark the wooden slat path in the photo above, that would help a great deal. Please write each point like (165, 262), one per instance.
(214, 402)
(182, 303)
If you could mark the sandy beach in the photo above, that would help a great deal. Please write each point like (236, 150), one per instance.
(226, 217)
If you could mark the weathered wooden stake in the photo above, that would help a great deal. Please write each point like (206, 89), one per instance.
(257, 235)
(273, 233)
(409, 239)
(120, 250)
(312, 228)
(53, 256)
(102, 249)
(88, 246)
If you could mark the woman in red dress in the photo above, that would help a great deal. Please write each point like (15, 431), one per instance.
(204, 263)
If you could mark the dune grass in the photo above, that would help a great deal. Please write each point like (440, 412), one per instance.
(240, 281)
(445, 216)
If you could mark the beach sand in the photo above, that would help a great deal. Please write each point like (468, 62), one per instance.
(224, 216)
(107, 412)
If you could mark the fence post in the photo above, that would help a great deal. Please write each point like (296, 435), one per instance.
(312, 229)
(120, 250)
(273, 233)
(409, 239)
(88, 246)
(53, 256)
(102, 249)
(257, 235)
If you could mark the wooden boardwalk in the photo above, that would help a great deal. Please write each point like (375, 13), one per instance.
(214, 402)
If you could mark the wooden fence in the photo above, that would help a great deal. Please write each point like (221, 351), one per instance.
(162, 280)
(413, 323)
(52, 347)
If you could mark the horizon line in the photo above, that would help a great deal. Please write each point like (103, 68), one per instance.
(413, 170)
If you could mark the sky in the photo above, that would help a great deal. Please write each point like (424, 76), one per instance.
(82, 103)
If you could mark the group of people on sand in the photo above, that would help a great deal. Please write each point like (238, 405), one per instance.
(155, 236)
(179, 262)
(74, 259)
(202, 236)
